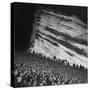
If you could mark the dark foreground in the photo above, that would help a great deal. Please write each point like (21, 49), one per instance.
(35, 70)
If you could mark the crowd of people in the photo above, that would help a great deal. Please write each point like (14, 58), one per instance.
(33, 70)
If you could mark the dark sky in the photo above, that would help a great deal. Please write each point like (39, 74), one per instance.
(24, 17)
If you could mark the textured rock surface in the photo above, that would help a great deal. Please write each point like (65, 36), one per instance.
(56, 34)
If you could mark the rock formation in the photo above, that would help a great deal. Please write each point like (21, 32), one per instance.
(60, 35)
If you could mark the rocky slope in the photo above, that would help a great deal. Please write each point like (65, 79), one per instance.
(61, 36)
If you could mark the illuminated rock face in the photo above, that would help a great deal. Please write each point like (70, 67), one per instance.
(59, 35)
